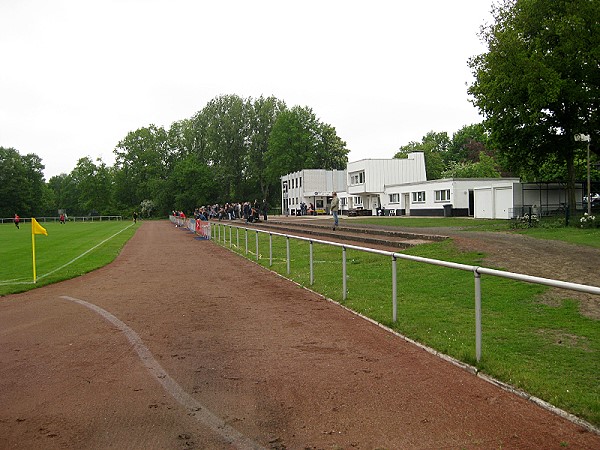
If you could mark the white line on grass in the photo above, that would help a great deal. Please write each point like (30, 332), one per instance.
(193, 406)
(84, 253)
(7, 282)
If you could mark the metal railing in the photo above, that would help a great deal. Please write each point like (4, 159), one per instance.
(476, 270)
(57, 219)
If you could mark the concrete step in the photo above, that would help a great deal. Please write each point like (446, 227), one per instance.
(354, 233)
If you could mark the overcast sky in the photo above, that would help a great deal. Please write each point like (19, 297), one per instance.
(77, 75)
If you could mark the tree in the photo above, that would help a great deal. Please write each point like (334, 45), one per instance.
(434, 145)
(94, 186)
(227, 142)
(538, 84)
(192, 184)
(262, 114)
(485, 167)
(468, 143)
(22, 186)
(142, 160)
(300, 141)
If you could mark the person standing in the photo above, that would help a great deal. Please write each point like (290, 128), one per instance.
(17, 219)
(335, 207)
(135, 217)
(265, 209)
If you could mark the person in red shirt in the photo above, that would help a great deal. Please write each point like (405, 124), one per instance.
(17, 220)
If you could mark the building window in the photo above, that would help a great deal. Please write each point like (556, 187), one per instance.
(442, 196)
(300, 180)
(344, 201)
(419, 197)
(358, 201)
(357, 178)
(285, 185)
(394, 198)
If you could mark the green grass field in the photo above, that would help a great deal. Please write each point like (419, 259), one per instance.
(68, 251)
(552, 352)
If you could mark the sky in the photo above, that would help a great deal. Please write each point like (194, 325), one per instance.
(78, 75)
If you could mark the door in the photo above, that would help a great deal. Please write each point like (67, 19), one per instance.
(407, 204)
(471, 203)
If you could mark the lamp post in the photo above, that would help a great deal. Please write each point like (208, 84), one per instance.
(587, 138)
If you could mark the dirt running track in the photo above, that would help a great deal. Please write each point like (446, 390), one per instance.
(181, 344)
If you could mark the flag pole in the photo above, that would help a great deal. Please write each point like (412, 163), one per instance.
(33, 251)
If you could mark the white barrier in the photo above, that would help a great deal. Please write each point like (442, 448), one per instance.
(200, 227)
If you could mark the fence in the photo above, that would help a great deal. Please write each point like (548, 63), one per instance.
(200, 227)
(57, 219)
(221, 236)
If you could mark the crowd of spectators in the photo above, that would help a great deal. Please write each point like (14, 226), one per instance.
(250, 212)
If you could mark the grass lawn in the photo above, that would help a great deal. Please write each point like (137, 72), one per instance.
(552, 352)
(68, 251)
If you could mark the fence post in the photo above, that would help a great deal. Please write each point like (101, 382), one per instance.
(394, 290)
(257, 245)
(230, 241)
(477, 314)
(246, 229)
(287, 244)
(344, 278)
(237, 236)
(270, 249)
(312, 278)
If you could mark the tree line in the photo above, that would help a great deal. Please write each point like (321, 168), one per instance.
(233, 149)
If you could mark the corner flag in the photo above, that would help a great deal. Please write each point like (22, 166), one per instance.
(36, 228)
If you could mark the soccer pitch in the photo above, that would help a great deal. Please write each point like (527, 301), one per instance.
(68, 251)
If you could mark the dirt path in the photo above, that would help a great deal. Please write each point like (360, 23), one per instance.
(181, 344)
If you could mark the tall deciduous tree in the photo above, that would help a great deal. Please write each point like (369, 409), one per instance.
(94, 186)
(141, 165)
(227, 142)
(538, 84)
(434, 145)
(22, 187)
(300, 141)
(262, 114)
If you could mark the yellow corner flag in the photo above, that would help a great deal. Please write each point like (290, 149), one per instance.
(36, 228)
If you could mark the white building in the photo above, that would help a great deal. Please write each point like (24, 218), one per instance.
(368, 178)
(481, 198)
(360, 187)
(400, 187)
(451, 196)
(310, 186)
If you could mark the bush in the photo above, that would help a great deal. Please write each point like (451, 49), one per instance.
(588, 221)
